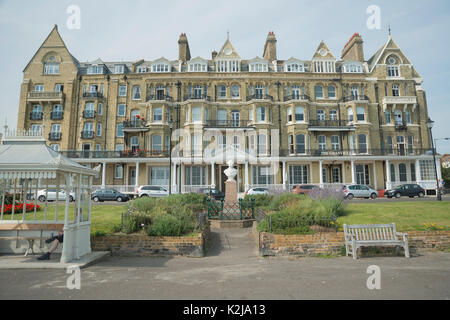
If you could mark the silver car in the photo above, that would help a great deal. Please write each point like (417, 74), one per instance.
(152, 191)
(359, 191)
(50, 195)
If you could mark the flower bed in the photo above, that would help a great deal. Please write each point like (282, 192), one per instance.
(19, 207)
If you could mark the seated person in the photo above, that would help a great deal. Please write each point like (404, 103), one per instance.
(56, 241)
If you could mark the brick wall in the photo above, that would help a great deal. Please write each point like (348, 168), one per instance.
(143, 245)
(332, 243)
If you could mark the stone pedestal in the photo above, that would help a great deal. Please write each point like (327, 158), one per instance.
(230, 191)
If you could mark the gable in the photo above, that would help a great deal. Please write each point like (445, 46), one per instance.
(228, 51)
(54, 46)
(323, 52)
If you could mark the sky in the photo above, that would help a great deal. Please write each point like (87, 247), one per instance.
(137, 29)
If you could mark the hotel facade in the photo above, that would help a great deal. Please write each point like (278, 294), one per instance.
(177, 123)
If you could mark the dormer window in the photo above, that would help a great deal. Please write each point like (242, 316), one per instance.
(141, 69)
(259, 67)
(294, 67)
(119, 69)
(161, 67)
(95, 69)
(197, 67)
(352, 68)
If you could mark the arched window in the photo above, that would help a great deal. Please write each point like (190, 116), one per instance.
(300, 144)
(395, 90)
(235, 91)
(319, 92)
(331, 92)
(350, 114)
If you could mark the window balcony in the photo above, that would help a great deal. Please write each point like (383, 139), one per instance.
(330, 125)
(398, 100)
(87, 134)
(159, 97)
(226, 124)
(93, 94)
(91, 154)
(197, 97)
(259, 97)
(356, 97)
(34, 115)
(88, 114)
(45, 96)
(54, 136)
(137, 125)
(353, 152)
(296, 96)
(56, 115)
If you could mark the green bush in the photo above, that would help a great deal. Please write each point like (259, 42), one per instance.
(286, 222)
(174, 215)
(284, 200)
(168, 225)
(261, 200)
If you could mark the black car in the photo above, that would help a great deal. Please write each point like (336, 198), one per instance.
(109, 195)
(406, 190)
(213, 193)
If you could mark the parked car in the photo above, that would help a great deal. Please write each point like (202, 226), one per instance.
(152, 191)
(109, 195)
(213, 193)
(408, 190)
(50, 195)
(258, 191)
(359, 191)
(303, 189)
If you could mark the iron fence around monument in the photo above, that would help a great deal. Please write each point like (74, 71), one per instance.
(221, 210)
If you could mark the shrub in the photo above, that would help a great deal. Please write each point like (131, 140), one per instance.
(285, 200)
(286, 222)
(134, 222)
(168, 225)
(261, 200)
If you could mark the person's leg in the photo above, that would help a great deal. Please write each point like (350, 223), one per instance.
(56, 242)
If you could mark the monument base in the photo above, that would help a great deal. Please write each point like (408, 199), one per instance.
(231, 191)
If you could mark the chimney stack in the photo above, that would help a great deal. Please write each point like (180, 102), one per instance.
(214, 54)
(353, 49)
(184, 54)
(270, 48)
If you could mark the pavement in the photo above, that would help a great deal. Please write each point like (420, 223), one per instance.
(234, 270)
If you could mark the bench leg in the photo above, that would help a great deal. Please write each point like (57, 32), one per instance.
(406, 247)
(354, 249)
(30, 247)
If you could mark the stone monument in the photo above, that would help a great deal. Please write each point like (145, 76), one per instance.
(231, 184)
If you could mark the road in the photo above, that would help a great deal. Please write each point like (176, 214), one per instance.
(233, 270)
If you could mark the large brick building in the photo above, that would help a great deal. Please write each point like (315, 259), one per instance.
(320, 120)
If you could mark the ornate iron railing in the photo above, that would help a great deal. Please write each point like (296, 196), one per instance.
(221, 210)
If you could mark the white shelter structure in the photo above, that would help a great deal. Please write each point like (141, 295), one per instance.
(28, 167)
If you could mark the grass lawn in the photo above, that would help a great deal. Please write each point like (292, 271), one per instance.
(103, 217)
(406, 215)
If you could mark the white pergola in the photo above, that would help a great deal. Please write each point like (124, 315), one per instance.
(28, 165)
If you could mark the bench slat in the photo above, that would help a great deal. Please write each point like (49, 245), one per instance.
(25, 226)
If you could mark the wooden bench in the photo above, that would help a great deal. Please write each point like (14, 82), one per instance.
(29, 227)
(370, 235)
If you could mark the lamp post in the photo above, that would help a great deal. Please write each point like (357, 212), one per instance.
(170, 156)
(430, 124)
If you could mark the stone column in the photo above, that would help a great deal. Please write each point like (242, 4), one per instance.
(213, 180)
(418, 177)
(375, 175)
(247, 185)
(103, 175)
(320, 174)
(388, 175)
(137, 175)
(353, 172)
